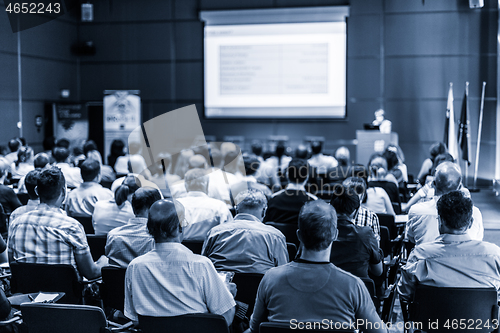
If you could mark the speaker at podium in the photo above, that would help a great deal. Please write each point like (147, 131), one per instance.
(370, 142)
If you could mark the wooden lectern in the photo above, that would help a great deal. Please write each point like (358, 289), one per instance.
(370, 142)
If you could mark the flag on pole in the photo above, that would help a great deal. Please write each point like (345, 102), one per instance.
(450, 138)
(463, 132)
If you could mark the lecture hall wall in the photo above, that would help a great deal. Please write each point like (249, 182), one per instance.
(401, 55)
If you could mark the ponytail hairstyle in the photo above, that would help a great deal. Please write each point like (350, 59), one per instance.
(129, 186)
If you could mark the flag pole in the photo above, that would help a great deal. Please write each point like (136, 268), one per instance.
(479, 132)
(467, 118)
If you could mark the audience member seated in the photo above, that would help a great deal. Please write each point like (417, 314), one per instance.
(285, 205)
(40, 161)
(133, 239)
(246, 245)
(115, 212)
(453, 259)
(343, 156)
(394, 166)
(310, 288)
(252, 165)
(117, 149)
(71, 174)
(273, 168)
(82, 200)
(8, 197)
(364, 217)
(426, 192)
(14, 146)
(132, 162)
(202, 212)
(319, 161)
(422, 226)
(23, 164)
(436, 149)
(90, 151)
(31, 181)
(219, 181)
(379, 177)
(46, 235)
(170, 280)
(356, 249)
(257, 150)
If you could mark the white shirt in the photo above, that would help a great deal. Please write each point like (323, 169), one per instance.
(71, 174)
(322, 163)
(202, 214)
(107, 216)
(81, 201)
(423, 224)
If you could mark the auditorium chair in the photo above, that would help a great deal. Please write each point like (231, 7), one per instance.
(289, 230)
(97, 245)
(292, 251)
(247, 285)
(197, 322)
(194, 245)
(454, 309)
(31, 277)
(64, 318)
(112, 288)
(86, 221)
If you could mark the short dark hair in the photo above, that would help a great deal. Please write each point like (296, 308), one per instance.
(298, 170)
(257, 148)
(251, 163)
(64, 143)
(391, 158)
(14, 144)
(50, 184)
(316, 147)
(49, 143)
(41, 160)
(60, 154)
(88, 146)
(165, 217)
(89, 169)
(344, 201)
(355, 185)
(317, 225)
(436, 149)
(31, 181)
(455, 210)
(143, 198)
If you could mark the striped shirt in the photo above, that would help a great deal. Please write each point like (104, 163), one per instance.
(47, 236)
(172, 281)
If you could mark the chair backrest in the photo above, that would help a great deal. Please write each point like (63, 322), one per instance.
(247, 284)
(388, 220)
(454, 306)
(23, 198)
(63, 318)
(112, 288)
(385, 240)
(194, 245)
(199, 230)
(270, 327)
(197, 322)
(31, 277)
(289, 230)
(86, 221)
(97, 245)
(370, 285)
(292, 251)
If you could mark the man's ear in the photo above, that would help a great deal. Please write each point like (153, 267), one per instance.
(36, 191)
(335, 235)
(299, 235)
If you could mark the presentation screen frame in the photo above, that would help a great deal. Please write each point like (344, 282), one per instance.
(314, 16)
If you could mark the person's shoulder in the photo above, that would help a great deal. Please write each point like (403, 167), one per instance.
(422, 208)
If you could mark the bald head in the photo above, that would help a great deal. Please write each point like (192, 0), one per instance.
(164, 220)
(447, 178)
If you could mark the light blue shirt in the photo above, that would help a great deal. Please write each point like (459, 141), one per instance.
(172, 281)
(451, 261)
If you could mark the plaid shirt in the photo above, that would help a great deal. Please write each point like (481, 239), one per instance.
(367, 218)
(46, 235)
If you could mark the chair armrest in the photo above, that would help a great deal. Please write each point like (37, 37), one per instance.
(16, 317)
(117, 327)
(98, 280)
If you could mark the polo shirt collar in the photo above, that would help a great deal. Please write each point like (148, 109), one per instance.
(170, 246)
(295, 187)
(452, 238)
(246, 217)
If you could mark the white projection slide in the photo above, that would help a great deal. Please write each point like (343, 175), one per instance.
(295, 70)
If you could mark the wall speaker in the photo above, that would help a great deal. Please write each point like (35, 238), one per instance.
(476, 3)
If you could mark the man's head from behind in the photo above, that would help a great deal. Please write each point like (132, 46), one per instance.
(31, 181)
(41, 160)
(252, 202)
(251, 163)
(50, 185)
(60, 154)
(298, 171)
(14, 144)
(90, 170)
(316, 147)
(447, 178)
(345, 201)
(317, 225)
(455, 212)
(164, 221)
(143, 199)
(196, 180)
